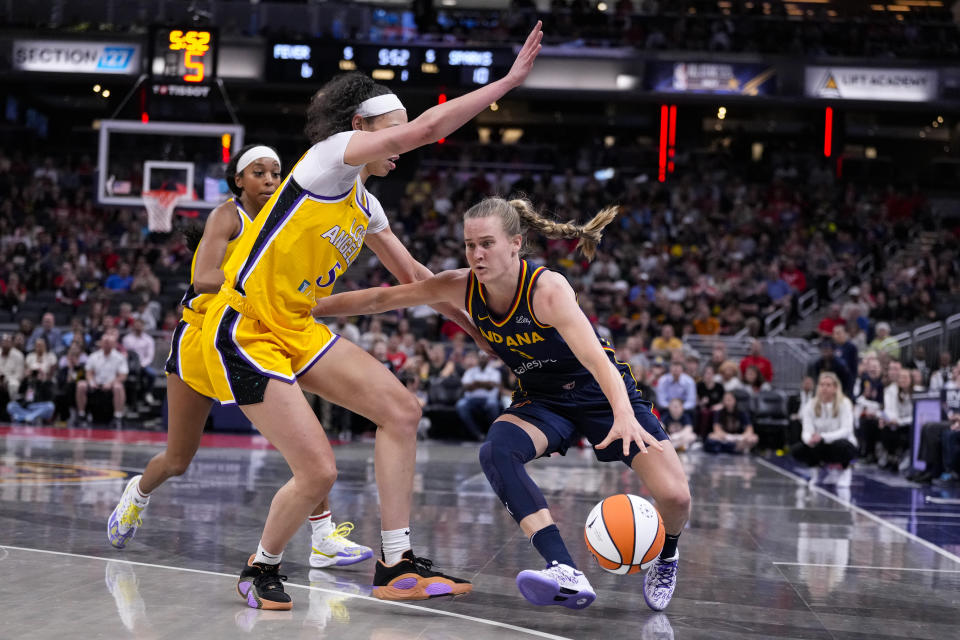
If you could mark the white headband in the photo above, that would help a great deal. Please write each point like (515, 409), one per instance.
(255, 153)
(379, 105)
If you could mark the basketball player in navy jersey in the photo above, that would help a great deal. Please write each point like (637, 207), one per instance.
(571, 386)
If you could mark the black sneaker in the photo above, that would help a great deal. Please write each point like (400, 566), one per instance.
(946, 480)
(412, 578)
(261, 587)
(920, 477)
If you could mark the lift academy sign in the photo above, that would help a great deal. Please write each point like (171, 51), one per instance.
(857, 83)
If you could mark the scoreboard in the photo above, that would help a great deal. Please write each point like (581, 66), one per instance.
(317, 61)
(184, 54)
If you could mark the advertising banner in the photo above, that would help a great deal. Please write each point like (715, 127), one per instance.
(76, 56)
(860, 83)
(711, 77)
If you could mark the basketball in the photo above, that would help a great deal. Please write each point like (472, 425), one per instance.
(624, 533)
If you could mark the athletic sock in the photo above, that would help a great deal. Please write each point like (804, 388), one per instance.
(139, 497)
(322, 525)
(550, 545)
(263, 557)
(393, 543)
(669, 547)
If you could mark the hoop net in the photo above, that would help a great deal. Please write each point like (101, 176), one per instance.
(160, 204)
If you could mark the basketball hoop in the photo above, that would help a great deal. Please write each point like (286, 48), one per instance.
(160, 204)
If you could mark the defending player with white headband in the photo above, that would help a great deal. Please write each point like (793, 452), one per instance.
(256, 153)
(379, 105)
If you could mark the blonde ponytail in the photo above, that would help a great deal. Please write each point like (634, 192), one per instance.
(518, 215)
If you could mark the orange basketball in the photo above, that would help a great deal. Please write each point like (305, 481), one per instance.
(624, 533)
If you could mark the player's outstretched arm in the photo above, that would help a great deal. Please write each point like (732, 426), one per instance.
(443, 119)
(447, 286)
(222, 224)
(395, 256)
(555, 303)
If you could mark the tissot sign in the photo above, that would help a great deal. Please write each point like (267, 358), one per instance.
(854, 83)
(74, 56)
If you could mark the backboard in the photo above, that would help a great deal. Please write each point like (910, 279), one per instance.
(134, 157)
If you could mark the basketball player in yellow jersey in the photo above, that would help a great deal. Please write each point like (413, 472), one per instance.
(259, 337)
(253, 175)
(571, 387)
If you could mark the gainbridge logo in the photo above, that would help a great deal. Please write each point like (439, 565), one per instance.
(28, 472)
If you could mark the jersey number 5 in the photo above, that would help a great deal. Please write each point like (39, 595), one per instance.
(331, 277)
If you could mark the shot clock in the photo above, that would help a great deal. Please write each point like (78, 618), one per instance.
(184, 54)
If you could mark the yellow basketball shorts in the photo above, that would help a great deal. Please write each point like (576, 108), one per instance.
(186, 358)
(242, 354)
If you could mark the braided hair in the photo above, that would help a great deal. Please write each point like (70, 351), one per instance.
(518, 215)
(332, 108)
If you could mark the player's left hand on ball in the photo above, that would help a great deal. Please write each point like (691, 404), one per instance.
(630, 431)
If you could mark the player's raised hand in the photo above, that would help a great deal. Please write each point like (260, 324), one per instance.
(630, 431)
(528, 53)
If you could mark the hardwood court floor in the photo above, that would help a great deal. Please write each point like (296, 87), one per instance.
(765, 555)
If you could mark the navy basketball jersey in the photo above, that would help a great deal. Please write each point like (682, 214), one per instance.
(535, 352)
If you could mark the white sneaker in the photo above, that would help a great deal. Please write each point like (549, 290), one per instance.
(125, 519)
(335, 550)
(660, 582)
(123, 586)
(557, 584)
(844, 477)
(657, 627)
(326, 606)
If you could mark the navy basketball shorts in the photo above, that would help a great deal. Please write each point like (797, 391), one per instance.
(584, 412)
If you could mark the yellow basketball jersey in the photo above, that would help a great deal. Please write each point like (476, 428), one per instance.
(198, 302)
(295, 251)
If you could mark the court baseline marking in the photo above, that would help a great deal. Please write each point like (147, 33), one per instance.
(860, 510)
(860, 566)
(405, 605)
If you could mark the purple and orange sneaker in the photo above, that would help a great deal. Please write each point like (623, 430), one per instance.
(412, 578)
(335, 550)
(261, 587)
(557, 584)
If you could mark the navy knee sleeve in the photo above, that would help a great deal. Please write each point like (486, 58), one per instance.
(502, 456)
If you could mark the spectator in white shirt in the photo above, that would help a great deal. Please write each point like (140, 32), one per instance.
(142, 344)
(827, 437)
(11, 364)
(942, 375)
(481, 393)
(896, 421)
(41, 360)
(106, 371)
(729, 376)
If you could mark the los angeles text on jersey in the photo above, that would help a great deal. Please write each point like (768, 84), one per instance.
(347, 242)
(515, 340)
